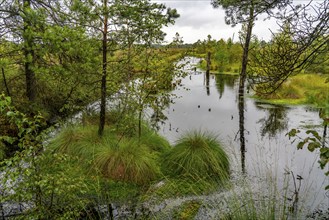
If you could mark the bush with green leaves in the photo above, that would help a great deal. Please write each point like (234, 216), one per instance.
(47, 185)
(198, 155)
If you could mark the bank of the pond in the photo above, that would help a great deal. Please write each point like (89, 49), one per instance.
(302, 89)
(146, 177)
(118, 173)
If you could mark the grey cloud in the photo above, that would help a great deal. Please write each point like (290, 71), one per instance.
(198, 19)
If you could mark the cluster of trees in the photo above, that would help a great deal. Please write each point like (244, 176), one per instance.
(57, 56)
(225, 54)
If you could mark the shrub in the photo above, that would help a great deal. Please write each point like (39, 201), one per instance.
(198, 155)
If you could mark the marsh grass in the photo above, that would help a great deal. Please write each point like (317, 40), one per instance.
(75, 139)
(153, 141)
(198, 155)
(301, 89)
(249, 206)
(127, 159)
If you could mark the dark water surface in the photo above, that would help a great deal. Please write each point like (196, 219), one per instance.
(268, 150)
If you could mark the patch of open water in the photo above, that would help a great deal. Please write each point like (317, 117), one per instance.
(212, 105)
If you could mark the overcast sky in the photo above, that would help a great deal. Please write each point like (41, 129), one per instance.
(198, 19)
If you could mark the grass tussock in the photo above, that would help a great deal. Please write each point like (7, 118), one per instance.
(127, 159)
(198, 155)
(82, 142)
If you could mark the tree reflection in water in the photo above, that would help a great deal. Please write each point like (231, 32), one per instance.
(223, 80)
(274, 122)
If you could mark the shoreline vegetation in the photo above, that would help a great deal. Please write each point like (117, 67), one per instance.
(301, 89)
(123, 168)
(119, 168)
(131, 164)
(308, 88)
(108, 61)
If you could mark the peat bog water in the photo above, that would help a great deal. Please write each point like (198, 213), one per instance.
(212, 105)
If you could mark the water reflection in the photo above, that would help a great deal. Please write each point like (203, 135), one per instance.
(199, 109)
(224, 80)
(207, 83)
(275, 120)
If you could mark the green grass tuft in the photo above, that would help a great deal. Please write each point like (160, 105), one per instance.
(129, 161)
(198, 155)
(154, 142)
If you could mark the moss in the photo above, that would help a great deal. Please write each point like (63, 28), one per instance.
(187, 210)
(280, 101)
(178, 187)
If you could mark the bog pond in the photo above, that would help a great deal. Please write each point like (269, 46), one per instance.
(212, 105)
(268, 173)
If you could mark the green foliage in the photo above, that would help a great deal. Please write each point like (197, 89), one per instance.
(48, 183)
(56, 56)
(198, 155)
(21, 131)
(77, 141)
(121, 192)
(225, 55)
(154, 142)
(313, 141)
(301, 89)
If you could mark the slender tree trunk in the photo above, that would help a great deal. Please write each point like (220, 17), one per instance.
(104, 73)
(5, 81)
(243, 76)
(28, 54)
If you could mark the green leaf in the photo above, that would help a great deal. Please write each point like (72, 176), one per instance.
(293, 132)
(314, 133)
(10, 114)
(8, 139)
(300, 145)
(313, 145)
(324, 151)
